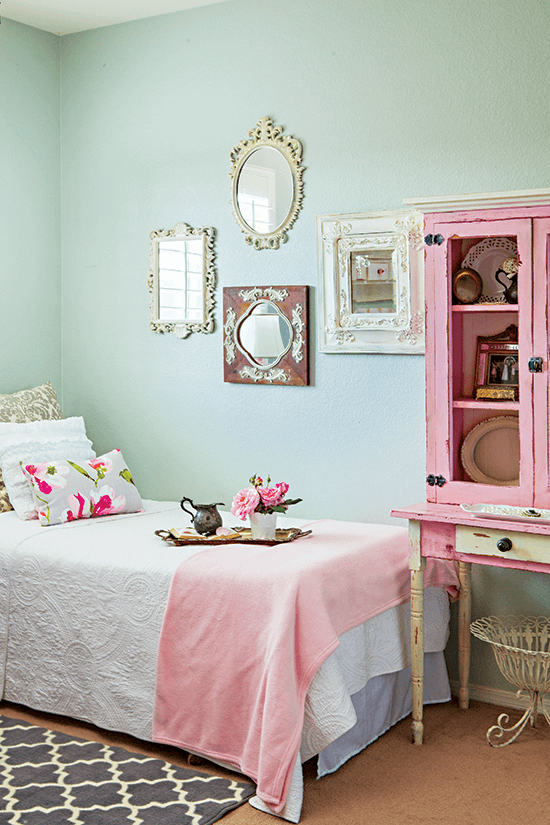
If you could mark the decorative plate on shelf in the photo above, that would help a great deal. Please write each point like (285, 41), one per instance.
(490, 451)
(486, 257)
(503, 511)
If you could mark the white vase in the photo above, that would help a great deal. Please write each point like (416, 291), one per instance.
(263, 525)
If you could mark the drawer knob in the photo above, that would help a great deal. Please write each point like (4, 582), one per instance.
(504, 545)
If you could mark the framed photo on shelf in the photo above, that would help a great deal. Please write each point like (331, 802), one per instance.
(497, 366)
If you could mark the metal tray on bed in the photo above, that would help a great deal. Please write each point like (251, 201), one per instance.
(244, 537)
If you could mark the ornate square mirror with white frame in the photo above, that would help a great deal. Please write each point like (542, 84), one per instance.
(182, 279)
(371, 282)
(266, 335)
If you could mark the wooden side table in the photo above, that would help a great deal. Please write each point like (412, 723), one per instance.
(448, 532)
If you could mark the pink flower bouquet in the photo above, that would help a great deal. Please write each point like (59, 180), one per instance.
(260, 499)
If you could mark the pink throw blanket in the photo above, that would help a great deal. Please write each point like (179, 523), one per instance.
(247, 626)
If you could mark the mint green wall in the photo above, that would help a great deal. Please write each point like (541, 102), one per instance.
(30, 325)
(390, 100)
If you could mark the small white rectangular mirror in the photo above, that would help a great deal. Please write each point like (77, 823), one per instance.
(182, 280)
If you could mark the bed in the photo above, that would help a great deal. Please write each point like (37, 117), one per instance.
(85, 601)
(82, 608)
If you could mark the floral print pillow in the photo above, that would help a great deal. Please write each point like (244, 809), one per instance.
(66, 491)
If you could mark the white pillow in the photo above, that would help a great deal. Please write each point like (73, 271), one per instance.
(38, 441)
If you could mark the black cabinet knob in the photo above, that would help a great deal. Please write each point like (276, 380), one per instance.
(429, 240)
(535, 364)
(504, 545)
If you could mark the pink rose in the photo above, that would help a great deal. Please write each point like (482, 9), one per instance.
(271, 496)
(283, 487)
(245, 502)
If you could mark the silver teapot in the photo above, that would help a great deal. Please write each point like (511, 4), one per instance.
(206, 518)
(509, 267)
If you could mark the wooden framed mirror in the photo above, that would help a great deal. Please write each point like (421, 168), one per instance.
(182, 280)
(267, 186)
(266, 335)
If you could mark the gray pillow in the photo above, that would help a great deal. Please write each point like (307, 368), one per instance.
(38, 404)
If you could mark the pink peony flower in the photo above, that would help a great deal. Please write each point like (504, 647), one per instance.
(78, 503)
(245, 502)
(271, 496)
(103, 501)
(102, 466)
(47, 477)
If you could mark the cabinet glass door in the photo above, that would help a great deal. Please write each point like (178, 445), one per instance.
(541, 337)
(479, 407)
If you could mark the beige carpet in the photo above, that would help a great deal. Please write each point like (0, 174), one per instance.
(455, 778)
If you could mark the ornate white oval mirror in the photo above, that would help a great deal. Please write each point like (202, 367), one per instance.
(267, 187)
(182, 280)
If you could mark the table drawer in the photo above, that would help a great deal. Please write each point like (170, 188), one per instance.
(523, 546)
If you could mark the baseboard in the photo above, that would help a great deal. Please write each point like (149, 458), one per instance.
(495, 696)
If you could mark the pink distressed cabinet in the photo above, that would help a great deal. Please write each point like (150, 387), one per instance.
(487, 398)
(516, 459)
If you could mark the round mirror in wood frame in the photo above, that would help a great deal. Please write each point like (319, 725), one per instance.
(266, 172)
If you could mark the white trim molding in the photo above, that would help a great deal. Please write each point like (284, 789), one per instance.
(498, 697)
(451, 203)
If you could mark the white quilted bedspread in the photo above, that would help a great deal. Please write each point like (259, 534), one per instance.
(85, 603)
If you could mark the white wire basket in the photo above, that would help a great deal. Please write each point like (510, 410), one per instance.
(521, 645)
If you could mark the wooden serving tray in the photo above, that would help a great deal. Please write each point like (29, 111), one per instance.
(244, 537)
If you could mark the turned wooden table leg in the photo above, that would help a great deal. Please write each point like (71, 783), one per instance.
(464, 619)
(417, 565)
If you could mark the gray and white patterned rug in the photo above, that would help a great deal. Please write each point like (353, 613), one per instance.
(50, 778)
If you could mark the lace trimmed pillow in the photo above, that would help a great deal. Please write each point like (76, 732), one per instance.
(37, 404)
(66, 490)
(38, 441)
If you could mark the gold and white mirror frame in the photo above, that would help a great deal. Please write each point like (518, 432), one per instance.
(354, 321)
(266, 135)
(193, 304)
